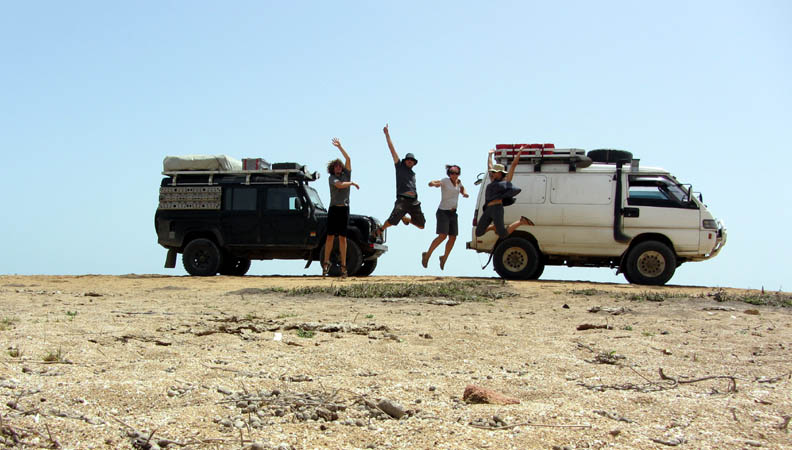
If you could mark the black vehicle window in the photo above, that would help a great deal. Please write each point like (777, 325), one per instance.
(240, 199)
(283, 199)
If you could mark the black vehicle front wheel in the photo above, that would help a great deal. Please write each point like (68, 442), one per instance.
(354, 259)
(201, 258)
(367, 268)
(650, 262)
(517, 259)
(234, 266)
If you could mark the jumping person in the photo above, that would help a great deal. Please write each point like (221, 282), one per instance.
(406, 192)
(338, 214)
(500, 192)
(447, 223)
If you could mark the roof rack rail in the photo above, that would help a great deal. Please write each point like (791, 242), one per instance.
(539, 154)
(285, 175)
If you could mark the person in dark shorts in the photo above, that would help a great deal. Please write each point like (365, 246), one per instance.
(500, 192)
(338, 214)
(406, 192)
(447, 220)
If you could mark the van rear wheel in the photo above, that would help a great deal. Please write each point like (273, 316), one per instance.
(651, 263)
(517, 259)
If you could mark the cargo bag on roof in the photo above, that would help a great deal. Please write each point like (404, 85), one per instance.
(201, 162)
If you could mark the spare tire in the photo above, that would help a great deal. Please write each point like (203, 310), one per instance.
(609, 156)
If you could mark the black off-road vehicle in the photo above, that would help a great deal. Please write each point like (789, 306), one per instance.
(220, 220)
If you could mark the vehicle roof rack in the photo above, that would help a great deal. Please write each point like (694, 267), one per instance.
(539, 154)
(284, 175)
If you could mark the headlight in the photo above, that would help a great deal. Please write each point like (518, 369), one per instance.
(709, 224)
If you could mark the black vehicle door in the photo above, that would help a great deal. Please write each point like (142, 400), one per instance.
(286, 219)
(240, 215)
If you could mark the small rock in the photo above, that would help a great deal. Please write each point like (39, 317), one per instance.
(224, 391)
(393, 409)
(476, 394)
(753, 312)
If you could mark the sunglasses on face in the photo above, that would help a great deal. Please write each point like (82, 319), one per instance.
(453, 173)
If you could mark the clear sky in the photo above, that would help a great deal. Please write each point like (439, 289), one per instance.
(95, 94)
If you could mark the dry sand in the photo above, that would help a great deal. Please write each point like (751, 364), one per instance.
(182, 362)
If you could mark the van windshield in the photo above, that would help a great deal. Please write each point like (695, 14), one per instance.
(314, 196)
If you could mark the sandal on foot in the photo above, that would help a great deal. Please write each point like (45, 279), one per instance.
(325, 268)
(343, 272)
(527, 221)
(442, 261)
(425, 259)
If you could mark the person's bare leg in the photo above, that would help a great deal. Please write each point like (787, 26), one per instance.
(383, 227)
(328, 249)
(342, 246)
(523, 221)
(449, 245)
(435, 243)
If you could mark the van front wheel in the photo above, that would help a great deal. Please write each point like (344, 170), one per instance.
(651, 263)
(516, 259)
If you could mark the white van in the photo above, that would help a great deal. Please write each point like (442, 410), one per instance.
(599, 209)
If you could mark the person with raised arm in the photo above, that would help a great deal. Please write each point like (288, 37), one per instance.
(447, 219)
(500, 192)
(406, 192)
(338, 213)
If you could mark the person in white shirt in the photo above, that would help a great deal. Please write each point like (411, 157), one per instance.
(447, 223)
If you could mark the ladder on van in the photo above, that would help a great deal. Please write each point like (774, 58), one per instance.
(539, 154)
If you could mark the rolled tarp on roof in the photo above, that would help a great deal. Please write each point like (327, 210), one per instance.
(201, 162)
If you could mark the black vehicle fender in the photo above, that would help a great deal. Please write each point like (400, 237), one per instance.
(213, 235)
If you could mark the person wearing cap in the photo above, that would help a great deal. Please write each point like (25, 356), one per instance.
(500, 192)
(338, 214)
(447, 220)
(406, 192)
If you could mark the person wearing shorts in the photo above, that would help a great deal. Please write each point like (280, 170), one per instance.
(447, 220)
(500, 192)
(338, 213)
(406, 193)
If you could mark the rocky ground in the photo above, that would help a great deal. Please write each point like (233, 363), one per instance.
(150, 362)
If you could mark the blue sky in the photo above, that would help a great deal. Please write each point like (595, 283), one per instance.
(95, 94)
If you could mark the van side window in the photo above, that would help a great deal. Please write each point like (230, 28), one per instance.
(283, 199)
(240, 199)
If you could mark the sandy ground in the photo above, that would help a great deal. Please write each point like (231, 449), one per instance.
(153, 361)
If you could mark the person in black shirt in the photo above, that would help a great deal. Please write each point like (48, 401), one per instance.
(500, 192)
(406, 192)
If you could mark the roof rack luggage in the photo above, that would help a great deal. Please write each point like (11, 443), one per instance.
(252, 170)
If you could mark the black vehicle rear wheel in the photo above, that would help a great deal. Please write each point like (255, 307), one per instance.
(201, 258)
(367, 268)
(234, 266)
(516, 259)
(354, 258)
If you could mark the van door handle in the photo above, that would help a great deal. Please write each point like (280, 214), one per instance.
(631, 212)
